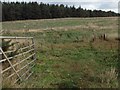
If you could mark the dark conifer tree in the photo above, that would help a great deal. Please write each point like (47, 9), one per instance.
(34, 10)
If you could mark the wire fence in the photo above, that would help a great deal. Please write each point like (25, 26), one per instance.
(17, 58)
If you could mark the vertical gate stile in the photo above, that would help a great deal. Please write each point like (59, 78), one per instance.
(34, 49)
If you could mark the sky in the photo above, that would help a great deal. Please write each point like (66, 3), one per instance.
(105, 5)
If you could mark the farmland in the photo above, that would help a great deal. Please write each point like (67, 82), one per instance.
(71, 52)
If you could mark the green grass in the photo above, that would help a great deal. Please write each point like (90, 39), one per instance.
(41, 24)
(68, 58)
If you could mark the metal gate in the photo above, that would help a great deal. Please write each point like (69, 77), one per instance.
(17, 59)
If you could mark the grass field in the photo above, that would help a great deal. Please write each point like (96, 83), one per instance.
(71, 52)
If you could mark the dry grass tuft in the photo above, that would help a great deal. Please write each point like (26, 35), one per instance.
(109, 77)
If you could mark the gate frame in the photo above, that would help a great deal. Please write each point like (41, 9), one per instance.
(13, 65)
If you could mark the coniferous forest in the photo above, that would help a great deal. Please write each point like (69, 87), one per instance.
(33, 10)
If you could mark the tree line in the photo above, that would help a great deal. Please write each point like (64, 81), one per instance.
(33, 10)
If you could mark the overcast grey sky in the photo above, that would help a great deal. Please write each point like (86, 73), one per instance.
(105, 5)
